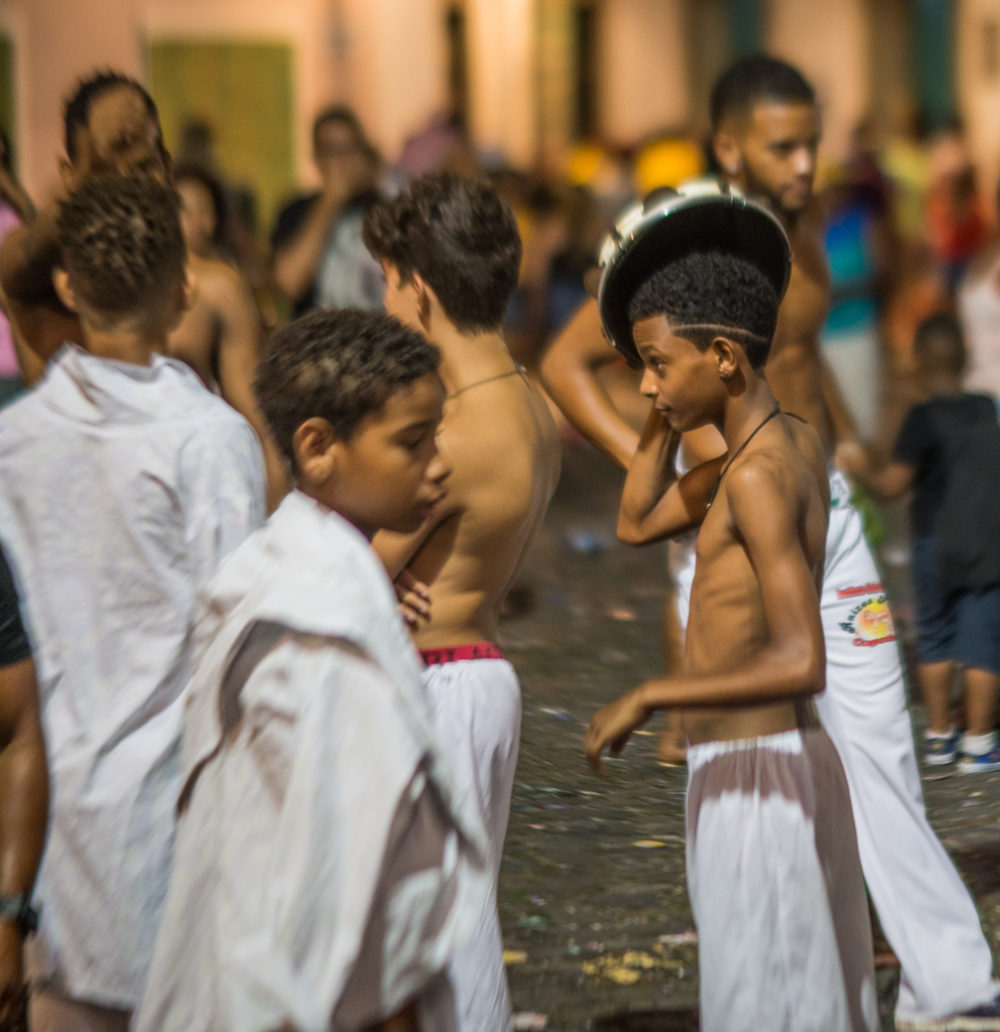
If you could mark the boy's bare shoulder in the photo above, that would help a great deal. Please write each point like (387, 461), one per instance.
(506, 422)
(503, 446)
(783, 469)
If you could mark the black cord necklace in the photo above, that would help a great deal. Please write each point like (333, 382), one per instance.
(736, 454)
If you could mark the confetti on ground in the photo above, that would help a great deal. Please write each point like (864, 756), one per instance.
(622, 613)
(649, 843)
(627, 968)
(679, 938)
(511, 957)
(559, 714)
(529, 1021)
(613, 972)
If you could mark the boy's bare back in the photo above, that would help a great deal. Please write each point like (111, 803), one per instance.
(760, 548)
(505, 455)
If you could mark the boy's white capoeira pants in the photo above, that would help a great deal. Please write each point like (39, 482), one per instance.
(924, 907)
(476, 709)
(784, 940)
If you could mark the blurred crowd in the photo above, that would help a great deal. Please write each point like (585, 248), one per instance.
(911, 231)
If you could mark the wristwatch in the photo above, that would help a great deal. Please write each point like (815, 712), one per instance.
(18, 909)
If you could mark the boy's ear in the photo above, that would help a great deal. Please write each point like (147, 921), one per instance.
(426, 301)
(317, 450)
(724, 351)
(63, 288)
(187, 291)
(66, 175)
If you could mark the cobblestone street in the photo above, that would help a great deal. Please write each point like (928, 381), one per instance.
(593, 901)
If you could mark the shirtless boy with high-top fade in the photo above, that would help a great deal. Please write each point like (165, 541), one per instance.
(765, 135)
(112, 126)
(774, 876)
(450, 250)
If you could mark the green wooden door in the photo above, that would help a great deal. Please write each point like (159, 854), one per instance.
(244, 92)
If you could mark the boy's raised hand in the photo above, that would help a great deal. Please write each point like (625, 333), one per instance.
(612, 726)
(414, 600)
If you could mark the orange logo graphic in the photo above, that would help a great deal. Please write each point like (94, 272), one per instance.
(870, 622)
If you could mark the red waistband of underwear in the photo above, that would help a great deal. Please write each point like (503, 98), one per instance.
(454, 653)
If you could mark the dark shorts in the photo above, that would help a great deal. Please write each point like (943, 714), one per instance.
(962, 626)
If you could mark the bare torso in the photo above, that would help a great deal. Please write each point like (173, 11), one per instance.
(727, 624)
(505, 454)
(197, 337)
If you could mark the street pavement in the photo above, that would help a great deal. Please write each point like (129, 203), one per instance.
(597, 928)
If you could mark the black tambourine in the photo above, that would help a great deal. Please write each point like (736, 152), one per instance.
(701, 215)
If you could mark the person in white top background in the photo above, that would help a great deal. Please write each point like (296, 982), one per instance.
(123, 483)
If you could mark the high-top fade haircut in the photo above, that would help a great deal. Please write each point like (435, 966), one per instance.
(76, 112)
(341, 365)
(460, 236)
(121, 242)
(720, 294)
(755, 79)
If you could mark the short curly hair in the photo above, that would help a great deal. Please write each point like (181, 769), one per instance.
(460, 236)
(121, 242)
(76, 111)
(340, 364)
(713, 289)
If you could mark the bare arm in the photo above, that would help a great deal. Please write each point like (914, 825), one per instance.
(28, 254)
(239, 352)
(23, 804)
(655, 502)
(569, 372)
(791, 662)
(887, 481)
(397, 551)
(297, 259)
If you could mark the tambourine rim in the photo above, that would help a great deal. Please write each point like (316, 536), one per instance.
(615, 324)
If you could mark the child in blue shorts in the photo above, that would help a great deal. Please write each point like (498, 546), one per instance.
(948, 452)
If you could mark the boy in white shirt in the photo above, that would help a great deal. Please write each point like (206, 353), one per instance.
(326, 873)
(123, 482)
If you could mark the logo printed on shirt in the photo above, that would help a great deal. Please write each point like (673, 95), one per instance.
(870, 622)
(875, 587)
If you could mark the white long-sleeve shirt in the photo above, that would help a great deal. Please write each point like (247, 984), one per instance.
(324, 874)
(121, 489)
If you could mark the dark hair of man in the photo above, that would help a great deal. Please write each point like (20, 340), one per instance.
(121, 242)
(460, 236)
(199, 174)
(76, 112)
(341, 365)
(711, 289)
(340, 114)
(753, 80)
(939, 345)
